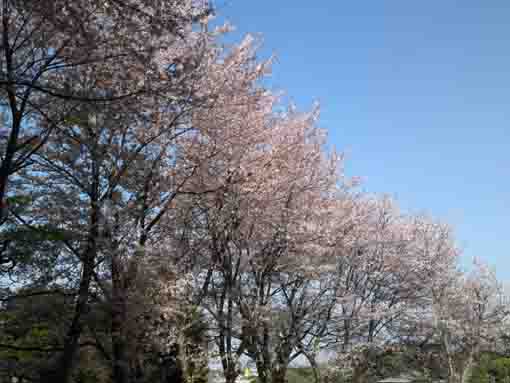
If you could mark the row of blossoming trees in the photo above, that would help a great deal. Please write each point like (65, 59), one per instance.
(158, 209)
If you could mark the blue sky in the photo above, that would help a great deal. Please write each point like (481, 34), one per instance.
(417, 93)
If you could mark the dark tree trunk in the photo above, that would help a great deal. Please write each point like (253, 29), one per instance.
(16, 115)
(262, 372)
(64, 367)
(121, 370)
(279, 375)
(171, 368)
(71, 344)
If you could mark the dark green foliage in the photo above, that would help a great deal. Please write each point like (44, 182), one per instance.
(32, 329)
(300, 375)
(492, 368)
(426, 363)
(422, 364)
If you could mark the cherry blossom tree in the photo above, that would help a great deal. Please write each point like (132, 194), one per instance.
(468, 312)
(110, 171)
(49, 46)
(257, 228)
(386, 273)
(149, 184)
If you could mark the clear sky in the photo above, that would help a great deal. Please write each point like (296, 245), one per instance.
(417, 93)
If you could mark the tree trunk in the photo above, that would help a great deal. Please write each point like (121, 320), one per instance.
(230, 377)
(347, 336)
(279, 375)
(64, 367)
(360, 371)
(16, 115)
(171, 370)
(262, 371)
(452, 370)
(468, 369)
(121, 373)
(7, 162)
(359, 375)
(315, 367)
